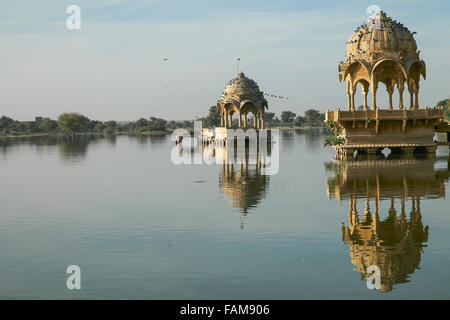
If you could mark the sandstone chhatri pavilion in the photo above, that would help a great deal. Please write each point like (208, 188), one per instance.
(242, 96)
(383, 51)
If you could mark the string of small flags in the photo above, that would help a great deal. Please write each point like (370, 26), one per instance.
(275, 96)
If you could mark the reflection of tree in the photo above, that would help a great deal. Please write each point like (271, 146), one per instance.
(287, 139)
(111, 139)
(73, 150)
(313, 139)
(393, 243)
(38, 141)
(158, 140)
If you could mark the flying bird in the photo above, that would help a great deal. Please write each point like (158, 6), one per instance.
(165, 59)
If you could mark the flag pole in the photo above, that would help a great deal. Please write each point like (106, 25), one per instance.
(238, 59)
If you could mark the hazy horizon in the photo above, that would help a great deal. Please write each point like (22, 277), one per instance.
(113, 68)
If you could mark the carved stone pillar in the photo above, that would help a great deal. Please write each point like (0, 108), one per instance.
(400, 87)
(349, 97)
(352, 93)
(364, 92)
(411, 94)
(390, 92)
(416, 103)
(373, 89)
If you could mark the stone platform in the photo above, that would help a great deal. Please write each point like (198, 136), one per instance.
(402, 131)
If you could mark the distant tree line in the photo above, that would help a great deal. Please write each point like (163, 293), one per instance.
(72, 123)
(310, 118)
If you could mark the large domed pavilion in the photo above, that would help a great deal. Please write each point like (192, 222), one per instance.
(383, 51)
(242, 96)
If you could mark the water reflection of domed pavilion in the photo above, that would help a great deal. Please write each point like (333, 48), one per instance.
(390, 240)
(240, 178)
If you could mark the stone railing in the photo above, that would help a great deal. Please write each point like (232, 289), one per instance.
(382, 114)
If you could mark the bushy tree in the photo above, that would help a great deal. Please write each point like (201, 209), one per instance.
(6, 124)
(72, 122)
(300, 121)
(47, 125)
(141, 123)
(269, 119)
(213, 118)
(187, 124)
(157, 124)
(110, 127)
(314, 117)
(287, 117)
(446, 105)
(99, 127)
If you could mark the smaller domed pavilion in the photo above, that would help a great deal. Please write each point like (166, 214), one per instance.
(242, 96)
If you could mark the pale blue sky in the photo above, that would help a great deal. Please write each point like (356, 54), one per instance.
(112, 68)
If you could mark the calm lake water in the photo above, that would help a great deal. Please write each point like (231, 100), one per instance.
(141, 227)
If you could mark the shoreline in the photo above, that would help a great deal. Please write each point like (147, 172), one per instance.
(147, 133)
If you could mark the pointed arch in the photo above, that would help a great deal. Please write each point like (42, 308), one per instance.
(385, 61)
(359, 66)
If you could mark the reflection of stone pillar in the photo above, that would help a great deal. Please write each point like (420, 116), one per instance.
(408, 150)
(431, 149)
(372, 151)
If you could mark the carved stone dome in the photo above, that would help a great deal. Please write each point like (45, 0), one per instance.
(242, 88)
(381, 37)
(382, 51)
(242, 96)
